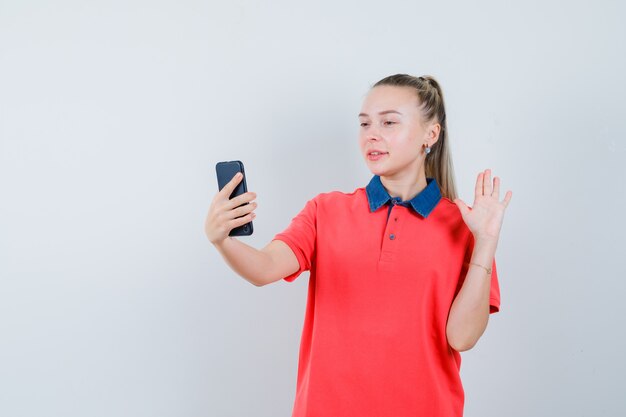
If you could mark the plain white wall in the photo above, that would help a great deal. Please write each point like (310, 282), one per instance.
(113, 115)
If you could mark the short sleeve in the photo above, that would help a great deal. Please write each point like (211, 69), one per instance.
(494, 292)
(300, 236)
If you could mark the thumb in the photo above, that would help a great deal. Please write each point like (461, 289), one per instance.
(462, 206)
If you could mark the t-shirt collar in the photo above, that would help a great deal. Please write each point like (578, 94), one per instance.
(423, 203)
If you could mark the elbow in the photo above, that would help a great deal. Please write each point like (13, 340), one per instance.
(462, 346)
(464, 336)
(268, 280)
(258, 282)
(261, 281)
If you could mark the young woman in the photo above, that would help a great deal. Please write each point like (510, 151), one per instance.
(402, 272)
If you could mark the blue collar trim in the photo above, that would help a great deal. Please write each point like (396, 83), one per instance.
(423, 203)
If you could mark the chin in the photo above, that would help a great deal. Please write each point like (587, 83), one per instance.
(376, 170)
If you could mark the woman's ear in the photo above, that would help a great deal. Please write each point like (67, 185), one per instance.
(434, 133)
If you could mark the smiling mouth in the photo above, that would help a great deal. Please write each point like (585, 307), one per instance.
(375, 156)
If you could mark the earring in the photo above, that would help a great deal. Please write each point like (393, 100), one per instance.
(427, 150)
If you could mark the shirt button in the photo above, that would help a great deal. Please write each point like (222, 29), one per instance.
(395, 219)
(392, 236)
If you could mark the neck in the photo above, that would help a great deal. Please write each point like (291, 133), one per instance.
(406, 186)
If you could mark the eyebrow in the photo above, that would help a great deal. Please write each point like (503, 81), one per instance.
(381, 113)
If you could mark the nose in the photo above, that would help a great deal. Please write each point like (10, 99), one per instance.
(373, 138)
(373, 134)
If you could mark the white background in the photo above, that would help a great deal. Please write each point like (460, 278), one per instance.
(112, 118)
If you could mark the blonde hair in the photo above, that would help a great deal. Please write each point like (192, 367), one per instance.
(438, 163)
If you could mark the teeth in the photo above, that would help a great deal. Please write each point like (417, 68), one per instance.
(376, 153)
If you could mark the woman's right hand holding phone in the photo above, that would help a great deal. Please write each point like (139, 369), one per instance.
(224, 213)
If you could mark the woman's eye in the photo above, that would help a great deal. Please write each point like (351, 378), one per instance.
(385, 122)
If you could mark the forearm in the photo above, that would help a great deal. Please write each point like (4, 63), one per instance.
(469, 312)
(250, 263)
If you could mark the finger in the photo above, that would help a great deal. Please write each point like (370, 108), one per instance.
(228, 189)
(241, 211)
(496, 188)
(478, 190)
(240, 221)
(239, 200)
(487, 186)
(507, 198)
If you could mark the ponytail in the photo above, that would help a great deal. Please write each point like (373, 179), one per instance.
(438, 163)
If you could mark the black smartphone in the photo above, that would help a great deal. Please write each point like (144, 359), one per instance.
(226, 170)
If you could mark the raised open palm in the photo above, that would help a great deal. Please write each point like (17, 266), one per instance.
(484, 218)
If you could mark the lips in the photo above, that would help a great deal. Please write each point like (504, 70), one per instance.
(375, 155)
